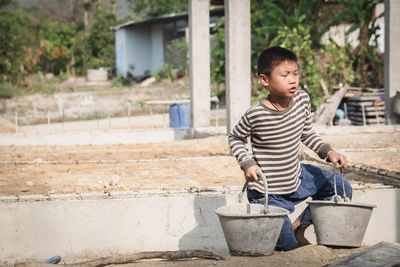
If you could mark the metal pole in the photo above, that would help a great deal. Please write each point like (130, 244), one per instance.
(16, 122)
(63, 118)
(151, 117)
(376, 115)
(217, 117)
(363, 115)
(163, 114)
(129, 115)
(48, 120)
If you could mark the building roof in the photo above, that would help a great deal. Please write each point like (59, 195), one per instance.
(165, 18)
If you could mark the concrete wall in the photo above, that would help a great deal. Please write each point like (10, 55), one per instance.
(133, 48)
(138, 47)
(97, 137)
(338, 33)
(157, 47)
(78, 227)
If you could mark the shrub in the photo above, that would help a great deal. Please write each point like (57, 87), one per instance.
(6, 90)
(176, 55)
(298, 40)
(339, 67)
(166, 71)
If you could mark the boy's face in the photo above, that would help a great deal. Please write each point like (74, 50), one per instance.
(283, 81)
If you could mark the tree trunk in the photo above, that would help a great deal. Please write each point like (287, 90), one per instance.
(98, 5)
(362, 53)
(113, 6)
(86, 6)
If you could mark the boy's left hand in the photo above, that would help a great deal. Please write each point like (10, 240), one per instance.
(334, 157)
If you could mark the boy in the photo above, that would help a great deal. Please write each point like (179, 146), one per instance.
(276, 125)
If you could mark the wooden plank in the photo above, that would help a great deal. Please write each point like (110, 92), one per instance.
(359, 121)
(363, 98)
(365, 104)
(326, 111)
(167, 102)
(367, 113)
(368, 108)
(354, 88)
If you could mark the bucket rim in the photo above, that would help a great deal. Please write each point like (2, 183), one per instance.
(351, 204)
(281, 212)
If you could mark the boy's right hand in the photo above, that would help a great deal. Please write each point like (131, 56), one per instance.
(251, 173)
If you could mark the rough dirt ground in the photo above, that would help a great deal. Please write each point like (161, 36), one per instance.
(308, 256)
(172, 165)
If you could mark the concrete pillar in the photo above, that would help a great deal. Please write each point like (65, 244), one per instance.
(392, 56)
(237, 59)
(199, 49)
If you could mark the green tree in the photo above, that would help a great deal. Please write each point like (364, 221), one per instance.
(101, 39)
(339, 64)
(15, 36)
(154, 8)
(361, 14)
(218, 52)
(82, 53)
(176, 54)
(298, 40)
(57, 39)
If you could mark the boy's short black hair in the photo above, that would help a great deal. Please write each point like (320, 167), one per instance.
(272, 57)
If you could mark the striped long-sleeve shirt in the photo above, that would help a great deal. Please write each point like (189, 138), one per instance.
(275, 138)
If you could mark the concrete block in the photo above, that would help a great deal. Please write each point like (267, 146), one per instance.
(94, 75)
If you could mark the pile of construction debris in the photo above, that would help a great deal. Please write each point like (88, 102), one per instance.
(352, 106)
(364, 106)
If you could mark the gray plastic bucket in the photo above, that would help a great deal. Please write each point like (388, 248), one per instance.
(340, 222)
(251, 229)
(253, 233)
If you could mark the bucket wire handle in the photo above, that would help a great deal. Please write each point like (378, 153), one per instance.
(336, 197)
(240, 196)
(346, 199)
(264, 179)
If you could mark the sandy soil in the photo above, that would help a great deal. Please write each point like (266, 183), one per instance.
(308, 256)
(173, 165)
(6, 126)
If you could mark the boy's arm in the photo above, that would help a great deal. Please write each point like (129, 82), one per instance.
(237, 140)
(313, 141)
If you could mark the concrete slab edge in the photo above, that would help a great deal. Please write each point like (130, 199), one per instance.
(155, 135)
(220, 190)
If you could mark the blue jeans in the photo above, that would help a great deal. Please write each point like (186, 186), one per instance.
(316, 183)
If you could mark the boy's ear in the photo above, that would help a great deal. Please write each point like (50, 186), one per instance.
(263, 80)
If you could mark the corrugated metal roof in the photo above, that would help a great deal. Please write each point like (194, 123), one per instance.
(165, 18)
